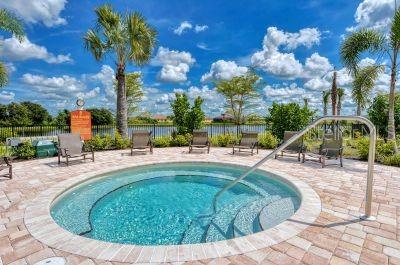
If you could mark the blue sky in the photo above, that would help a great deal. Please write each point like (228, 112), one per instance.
(293, 45)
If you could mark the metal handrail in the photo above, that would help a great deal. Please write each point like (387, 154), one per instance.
(371, 159)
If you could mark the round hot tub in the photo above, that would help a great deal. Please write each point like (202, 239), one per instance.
(171, 204)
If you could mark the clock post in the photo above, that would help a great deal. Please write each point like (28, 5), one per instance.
(81, 121)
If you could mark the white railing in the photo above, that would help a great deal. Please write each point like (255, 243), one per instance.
(371, 158)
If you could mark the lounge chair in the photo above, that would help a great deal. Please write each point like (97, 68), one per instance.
(200, 140)
(247, 143)
(141, 140)
(331, 148)
(70, 146)
(297, 147)
(6, 165)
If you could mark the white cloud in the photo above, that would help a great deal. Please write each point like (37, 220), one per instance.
(184, 26)
(175, 65)
(35, 11)
(202, 46)
(375, 14)
(200, 28)
(317, 65)
(11, 68)
(54, 87)
(14, 50)
(90, 94)
(6, 96)
(106, 77)
(223, 70)
(281, 64)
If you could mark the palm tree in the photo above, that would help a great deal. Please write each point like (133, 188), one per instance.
(373, 41)
(127, 39)
(325, 100)
(340, 95)
(9, 22)
(364, 82)
(334, 93)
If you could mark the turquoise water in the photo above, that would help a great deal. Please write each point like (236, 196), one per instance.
(171, 204)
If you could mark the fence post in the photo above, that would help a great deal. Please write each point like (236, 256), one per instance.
(224, 128)
(154, 131)
(211, 130)
(12, 131)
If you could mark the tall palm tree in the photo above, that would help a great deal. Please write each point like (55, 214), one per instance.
(364, 82)
(127, 39)
(9, 22)
(340, 95)
(325, 101)
(373, 41)
(334, 93)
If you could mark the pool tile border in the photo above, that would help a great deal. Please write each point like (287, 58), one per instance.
(41, 225)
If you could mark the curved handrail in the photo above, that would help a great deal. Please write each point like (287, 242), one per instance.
(371, 158)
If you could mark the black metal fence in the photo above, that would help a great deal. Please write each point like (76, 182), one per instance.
(157, 129)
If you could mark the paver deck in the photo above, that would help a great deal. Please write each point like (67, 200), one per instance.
(337, 236)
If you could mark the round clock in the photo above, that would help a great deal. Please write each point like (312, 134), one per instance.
(80, 102)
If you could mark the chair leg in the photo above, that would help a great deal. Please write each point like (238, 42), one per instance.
(298, 157)
(59, 158)
(304, 157)
(323, 161)
(67, 161)
(151, 149)
(341, 161)
(10, 172)
(93, 156)
(208, 149)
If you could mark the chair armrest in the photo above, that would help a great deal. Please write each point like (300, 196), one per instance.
(7, 160)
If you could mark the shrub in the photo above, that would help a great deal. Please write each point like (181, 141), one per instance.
(223, 140)
(181, 140)
(108, 142)
(119, 142)
(164, 141)
(25, 150)
(97, 143)
(362, 146)
(392, 160)
(383, 149)
(268, 140)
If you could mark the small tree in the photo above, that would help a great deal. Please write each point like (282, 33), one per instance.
(180, 108)
(62, 119)
(195, 117)
(18, 115)
(288, 117)
(101, 116)
(334, 94)
(378, 110)
(37, 114)
(134, 92)
(239, 93)
(186, 118)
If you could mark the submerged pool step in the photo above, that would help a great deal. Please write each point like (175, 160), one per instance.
(196, 231)
(246, 220)
(277, 212)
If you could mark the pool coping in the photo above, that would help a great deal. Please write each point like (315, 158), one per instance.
(41, 225)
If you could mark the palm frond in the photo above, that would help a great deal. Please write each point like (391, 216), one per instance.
(9, 22)
(364, 82)
(395, 31)
(94, 44)
(3, 75)
(357, 43)
(142, 38)
(107, 18)
(325, 96)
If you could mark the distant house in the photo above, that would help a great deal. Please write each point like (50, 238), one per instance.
(160, 117)
(223, 118)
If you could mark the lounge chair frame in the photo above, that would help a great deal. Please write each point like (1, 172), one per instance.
(202, 134)
(327, 151)
(243, 147)
(67, 153)
(7, 165)
(296, 148)
(149, 144)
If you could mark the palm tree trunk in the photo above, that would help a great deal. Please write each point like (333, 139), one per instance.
(358, 109)
(334, 94)
(391, 124)
(339, 106)
(122, 110)
(325, 109)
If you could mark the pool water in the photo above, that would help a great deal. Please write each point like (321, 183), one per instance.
(172, 204)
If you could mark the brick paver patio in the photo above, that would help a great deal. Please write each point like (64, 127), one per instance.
(338, 236)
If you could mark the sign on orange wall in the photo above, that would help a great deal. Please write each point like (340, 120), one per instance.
(81, 122)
